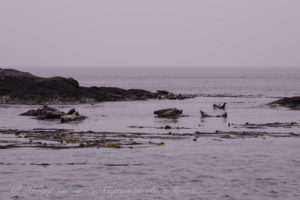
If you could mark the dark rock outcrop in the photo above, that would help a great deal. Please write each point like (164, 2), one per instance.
(47, 112)
(18, 87)
(162, 94)
(289, 102)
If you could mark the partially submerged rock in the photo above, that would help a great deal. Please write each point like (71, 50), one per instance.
(51, 113)
(168, 112)
(203, 114)
(162, 94)
(45, 110)
(289, 102)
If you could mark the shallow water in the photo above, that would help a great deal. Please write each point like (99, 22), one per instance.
(120, 116)
(209, 168)
(228, 81)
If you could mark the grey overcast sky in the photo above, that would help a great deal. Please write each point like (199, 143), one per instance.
(235, 33)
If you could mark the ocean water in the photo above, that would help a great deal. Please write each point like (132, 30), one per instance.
(212, 81)
(251, 168)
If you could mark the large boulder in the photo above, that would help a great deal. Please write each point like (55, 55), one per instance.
(45, 110)
(24, 88)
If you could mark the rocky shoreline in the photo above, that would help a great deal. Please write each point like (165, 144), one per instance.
(288, 102)
(17, 87)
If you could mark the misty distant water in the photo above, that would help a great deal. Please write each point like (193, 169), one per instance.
(223, 81)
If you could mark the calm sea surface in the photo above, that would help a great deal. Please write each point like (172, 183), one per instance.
(266, 82)
(252, 168)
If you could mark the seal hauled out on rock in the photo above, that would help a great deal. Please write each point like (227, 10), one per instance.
(51, 113)
(168, 112)
(71, 117)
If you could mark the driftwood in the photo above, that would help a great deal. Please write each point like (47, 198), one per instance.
(219, 106)
(203, 114)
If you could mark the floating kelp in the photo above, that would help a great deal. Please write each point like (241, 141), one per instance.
(266, 125)
(68, 139)
(160, 127)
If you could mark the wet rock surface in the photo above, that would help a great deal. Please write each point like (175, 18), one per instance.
(289, 102)
(47, 112)
(18, 87)
(162, 94)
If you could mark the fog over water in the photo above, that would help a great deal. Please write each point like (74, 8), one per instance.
(150, 33)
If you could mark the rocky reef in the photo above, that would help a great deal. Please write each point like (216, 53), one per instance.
(18, 87)
(47, 112)
(289, 102)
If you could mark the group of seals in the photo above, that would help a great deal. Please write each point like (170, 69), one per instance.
(174, 112)
(47, 112)
(51, 113)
